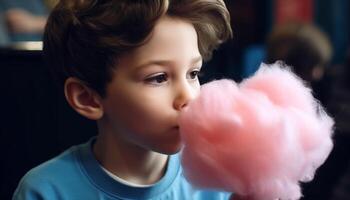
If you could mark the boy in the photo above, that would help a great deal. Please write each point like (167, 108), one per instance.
(132, 66)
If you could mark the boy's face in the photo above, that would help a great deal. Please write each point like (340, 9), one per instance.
(151, 85)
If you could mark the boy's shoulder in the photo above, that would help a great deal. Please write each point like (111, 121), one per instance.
(49, 176)
(53, 167)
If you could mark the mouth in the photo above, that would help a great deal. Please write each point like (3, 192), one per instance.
(175, 129)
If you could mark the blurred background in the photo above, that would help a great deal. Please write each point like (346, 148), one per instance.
(312, 36)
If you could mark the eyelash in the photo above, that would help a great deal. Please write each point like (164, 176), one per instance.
(163, 77)
(157, 79)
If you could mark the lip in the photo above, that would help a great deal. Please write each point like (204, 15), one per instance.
(175, 129)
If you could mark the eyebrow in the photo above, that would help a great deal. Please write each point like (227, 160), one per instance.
(166, 62)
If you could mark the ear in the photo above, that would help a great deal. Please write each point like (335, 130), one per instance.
(83, 99)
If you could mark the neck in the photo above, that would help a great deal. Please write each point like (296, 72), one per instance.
(129, 161)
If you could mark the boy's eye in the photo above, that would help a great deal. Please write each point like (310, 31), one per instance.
(157, 79)
(194, 74)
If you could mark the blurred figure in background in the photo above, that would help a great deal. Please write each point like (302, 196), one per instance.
(23, 20)
(340, 107)
(306, 49)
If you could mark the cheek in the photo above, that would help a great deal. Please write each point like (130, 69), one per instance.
(140, 112)
(197, 89)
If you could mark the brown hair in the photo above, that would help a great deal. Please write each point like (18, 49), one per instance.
(84, 38)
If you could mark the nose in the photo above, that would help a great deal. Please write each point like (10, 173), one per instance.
(185, 92)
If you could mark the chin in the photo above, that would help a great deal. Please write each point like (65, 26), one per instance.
(170, 149)
(174, 150)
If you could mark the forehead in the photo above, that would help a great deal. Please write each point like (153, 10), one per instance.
(172, 40)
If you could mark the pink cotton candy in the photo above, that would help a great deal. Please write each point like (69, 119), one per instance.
(259, 138)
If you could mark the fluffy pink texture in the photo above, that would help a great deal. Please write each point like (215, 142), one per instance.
(259, 138)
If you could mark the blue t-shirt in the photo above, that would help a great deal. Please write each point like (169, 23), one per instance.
(77, 175)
